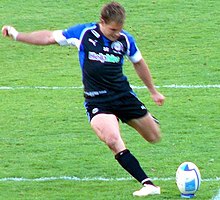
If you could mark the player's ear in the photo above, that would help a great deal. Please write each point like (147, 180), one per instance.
(102, 21)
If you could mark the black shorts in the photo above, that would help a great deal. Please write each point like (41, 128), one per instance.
(124, 108)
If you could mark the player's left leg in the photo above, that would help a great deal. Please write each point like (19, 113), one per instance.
(149, 129)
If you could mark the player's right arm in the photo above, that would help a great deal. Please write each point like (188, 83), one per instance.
(43, 37)
(68, 36)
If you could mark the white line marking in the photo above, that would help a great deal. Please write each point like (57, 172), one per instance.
(180, 86)
(80, 87)
(74, 178)
(39, 87)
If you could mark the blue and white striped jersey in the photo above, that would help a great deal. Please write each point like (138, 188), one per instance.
(101, 60)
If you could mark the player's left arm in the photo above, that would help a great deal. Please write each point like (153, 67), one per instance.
(143, 72)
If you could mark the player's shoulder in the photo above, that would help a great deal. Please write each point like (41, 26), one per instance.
(83, 26)
(75, 31)
(126, 34)
(90, 25)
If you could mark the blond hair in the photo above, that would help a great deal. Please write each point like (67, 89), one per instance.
(113, 12)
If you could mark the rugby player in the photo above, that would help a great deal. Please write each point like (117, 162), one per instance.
(108, 96)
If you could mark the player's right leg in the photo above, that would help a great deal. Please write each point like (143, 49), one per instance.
(106, 127)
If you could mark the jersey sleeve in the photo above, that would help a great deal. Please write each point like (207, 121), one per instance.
(70, 36)
(133, 53)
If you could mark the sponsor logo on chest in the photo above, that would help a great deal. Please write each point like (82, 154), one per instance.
(111, 58)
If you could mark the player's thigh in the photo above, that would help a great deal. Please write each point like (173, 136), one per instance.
(147, 127)
(106, 126)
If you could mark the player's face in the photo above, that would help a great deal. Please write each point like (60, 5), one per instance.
(111, 30)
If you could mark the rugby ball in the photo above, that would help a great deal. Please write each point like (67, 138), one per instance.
(188, 179)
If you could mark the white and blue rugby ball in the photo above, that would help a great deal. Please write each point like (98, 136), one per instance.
(188, 179)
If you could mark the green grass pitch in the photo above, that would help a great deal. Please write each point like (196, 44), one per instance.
(44, 132)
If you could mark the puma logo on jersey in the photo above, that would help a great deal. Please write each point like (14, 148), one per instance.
(93, 41)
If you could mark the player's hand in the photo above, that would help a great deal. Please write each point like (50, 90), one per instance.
(158, 98)
(9, 31)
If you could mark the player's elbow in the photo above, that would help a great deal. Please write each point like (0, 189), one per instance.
(51, 40)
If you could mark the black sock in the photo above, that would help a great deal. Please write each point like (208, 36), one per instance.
(132, 166)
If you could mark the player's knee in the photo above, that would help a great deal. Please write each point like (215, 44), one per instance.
(154, 137)
(112, 141)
